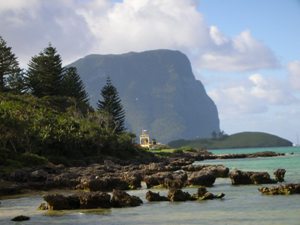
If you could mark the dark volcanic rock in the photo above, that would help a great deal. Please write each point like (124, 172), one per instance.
(60, 202)
(158, 90)
(121, 199)
(240, 177)
(20, 218)
(85, 200)
(167, 179)
(203, 178)
(203, 194)
(155, 197)
(133, 178)
(279, 175)
(177, 195)
(38, 176)
(216, 170)
(104, 184)
(93, 200)
(249, 155)
(286, 189)
(9, 188)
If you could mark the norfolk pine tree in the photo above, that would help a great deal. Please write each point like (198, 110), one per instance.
(9, 66)
(45, 73)
(73, 85)
(111, 106)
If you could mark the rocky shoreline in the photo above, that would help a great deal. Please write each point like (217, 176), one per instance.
(176, 171)
(94, 182)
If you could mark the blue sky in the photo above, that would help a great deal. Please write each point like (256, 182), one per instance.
(246, 52)
(275, 22)
(277, 25)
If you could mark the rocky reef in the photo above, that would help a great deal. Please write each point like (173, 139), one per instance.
(177, 195)
(90, 200)
(174, 172)
(239, 177)
(285, 189)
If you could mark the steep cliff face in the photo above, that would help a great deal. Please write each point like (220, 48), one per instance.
(158, 90)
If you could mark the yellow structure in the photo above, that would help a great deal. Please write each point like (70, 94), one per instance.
(145, 139)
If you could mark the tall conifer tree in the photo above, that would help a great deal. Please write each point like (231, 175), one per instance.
(9, 65)
(45, 73)
(110, 104)
(73, 85)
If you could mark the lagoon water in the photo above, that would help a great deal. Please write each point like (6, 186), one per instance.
(241, 205)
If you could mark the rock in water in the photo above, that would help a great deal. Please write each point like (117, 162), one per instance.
(286, 189)
(239, 177)
(94, 200)
(84, 200)
(121, 199)
(60, 202)
(158, 91)
(204, 178)
(155, 197)
(279, 175)
(203, 194)
(177, 195)
(20, 218)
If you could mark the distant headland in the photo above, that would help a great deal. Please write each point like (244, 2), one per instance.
(238, 140)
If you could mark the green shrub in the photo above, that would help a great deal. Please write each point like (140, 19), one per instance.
(186, 149)
(29, 159)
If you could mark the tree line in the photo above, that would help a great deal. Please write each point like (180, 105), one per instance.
(46, 76)
(45, 112)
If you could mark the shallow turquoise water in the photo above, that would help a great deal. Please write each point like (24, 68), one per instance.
(242, 204)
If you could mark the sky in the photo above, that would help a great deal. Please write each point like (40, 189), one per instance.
(245, 52)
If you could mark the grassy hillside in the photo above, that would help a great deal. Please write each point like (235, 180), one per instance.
(239, 140)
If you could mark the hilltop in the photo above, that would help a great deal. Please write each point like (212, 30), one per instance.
(239, 140)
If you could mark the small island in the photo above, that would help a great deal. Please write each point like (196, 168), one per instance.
(239, 140)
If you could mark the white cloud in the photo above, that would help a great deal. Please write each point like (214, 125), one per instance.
(271, 90)
(257, 94)
(242, 53)
(78, 27)
(138, 25)
(17, 5)
(29, 29)
(294, 74)
(217, 37)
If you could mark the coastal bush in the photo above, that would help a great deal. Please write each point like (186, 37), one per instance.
(58, 132)
(30, 159)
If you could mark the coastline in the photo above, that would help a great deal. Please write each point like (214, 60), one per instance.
(255, 206)
(124, 175)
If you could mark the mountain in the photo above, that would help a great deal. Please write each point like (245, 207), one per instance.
(239, 140)
(158, 91)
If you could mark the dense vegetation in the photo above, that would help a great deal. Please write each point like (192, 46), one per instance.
(46, 116)
(239, 140)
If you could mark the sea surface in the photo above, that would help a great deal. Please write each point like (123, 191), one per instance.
(241, 205)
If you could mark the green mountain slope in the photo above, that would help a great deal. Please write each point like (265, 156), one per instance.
(239, 140)
(158, 91)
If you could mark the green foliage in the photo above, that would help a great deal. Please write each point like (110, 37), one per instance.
(239, 140)
(9, 66)
(32, 127)
(16, 82)
(30, 159)
(73, 85)
(111, 107)
(45, 73)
